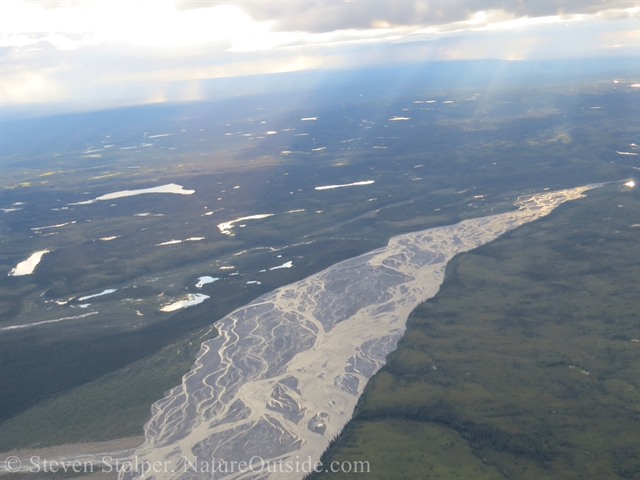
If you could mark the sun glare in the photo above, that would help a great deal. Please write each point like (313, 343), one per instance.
(153, 23)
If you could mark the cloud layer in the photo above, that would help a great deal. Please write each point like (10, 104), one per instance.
(100, 52)
(330, 15)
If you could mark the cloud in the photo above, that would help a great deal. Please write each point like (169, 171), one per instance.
(266, 25)
(331, 15)
(105, 52)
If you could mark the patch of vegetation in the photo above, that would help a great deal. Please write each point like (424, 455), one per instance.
(525, 358)
(114, 406)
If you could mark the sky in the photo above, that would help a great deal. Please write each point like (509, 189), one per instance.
(101, 53)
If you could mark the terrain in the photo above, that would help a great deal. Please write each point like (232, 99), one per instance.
(535, 342)
(236, 198)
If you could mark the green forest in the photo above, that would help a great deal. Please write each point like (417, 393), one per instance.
(524, 365)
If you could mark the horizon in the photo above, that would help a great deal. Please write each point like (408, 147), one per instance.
(223, 89)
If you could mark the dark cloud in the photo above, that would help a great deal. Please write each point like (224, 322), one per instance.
(330, 15)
